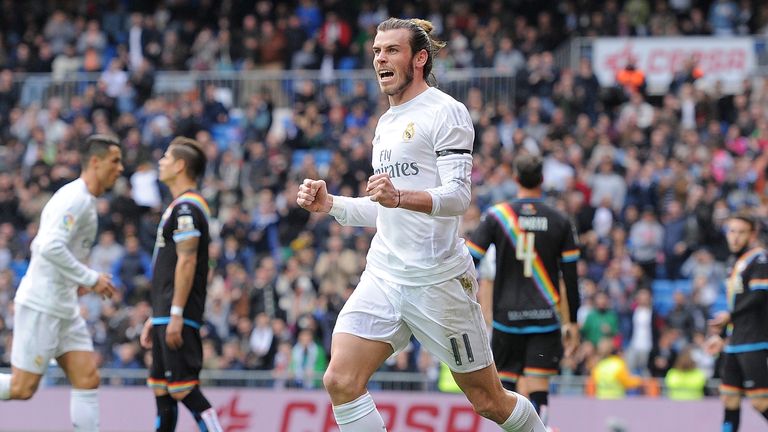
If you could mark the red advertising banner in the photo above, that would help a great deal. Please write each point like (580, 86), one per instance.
(729, 60)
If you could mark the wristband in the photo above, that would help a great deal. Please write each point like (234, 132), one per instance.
(177, 310)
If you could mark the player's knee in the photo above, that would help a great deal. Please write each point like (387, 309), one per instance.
(760, 404)
(731, 401)
(23, 391)
(483, 404)
(340, 383)
(87, 381)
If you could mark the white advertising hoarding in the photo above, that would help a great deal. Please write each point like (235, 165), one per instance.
(132, 409)
(729, 60)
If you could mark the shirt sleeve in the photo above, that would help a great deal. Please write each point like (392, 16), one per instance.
(453, 143)
(454, 130)
(360, 212)
(55, 246)
(482, 238)
(758, 287)
(187, 222)
(487, 270)
(626, 378)
(569, 256)
(758, 280)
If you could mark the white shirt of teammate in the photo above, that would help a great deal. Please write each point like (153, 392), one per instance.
(67, 232)
(413, 248)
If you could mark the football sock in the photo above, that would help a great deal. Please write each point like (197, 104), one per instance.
(195, 401)
(84, 410)
(198, 405)
(523, 418)
(167, 413)
(211, 420)
(731, 421)
(540, 401)
(5, 386)
(359, 415)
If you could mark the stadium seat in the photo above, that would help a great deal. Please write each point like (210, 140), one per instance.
(663, 291)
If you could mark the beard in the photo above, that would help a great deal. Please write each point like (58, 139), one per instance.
(408, 80)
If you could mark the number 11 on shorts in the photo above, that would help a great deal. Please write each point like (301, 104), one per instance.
(525, 252)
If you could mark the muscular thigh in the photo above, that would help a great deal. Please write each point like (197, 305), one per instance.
(35, 341)
(74, 337)
(447, 320)
(373, 313)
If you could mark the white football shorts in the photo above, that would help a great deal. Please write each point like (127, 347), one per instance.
(445, 318)
(39, 337)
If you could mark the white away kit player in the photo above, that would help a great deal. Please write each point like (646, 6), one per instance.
(420, 278)
(47, 321)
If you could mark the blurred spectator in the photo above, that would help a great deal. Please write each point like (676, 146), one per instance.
(680, 317)
(232, 358)
(675, 245)
(106, 253)
(664, 353)
(601, 322)
(126, 357)
(645, 333)
(296, 290)
(92, 38)
(145, 190)
(688, 74)
(337, 265)
(282, 371)
(263, 343)
(645, 240)
(335, 31)
(507, 59)
(66, 63)
(611, 377)
(685, 381)
(630, 79)
(214, 111)
(133, 270)
(59, 30)
(723, 17)
(608, 185)
(706, 273)
(308, 360)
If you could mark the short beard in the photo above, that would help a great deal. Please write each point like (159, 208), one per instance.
(408, 80)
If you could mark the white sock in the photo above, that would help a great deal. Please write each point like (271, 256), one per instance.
(211, 420)
(360, 415)
(5, 386)
(84, 410)
(523, 418)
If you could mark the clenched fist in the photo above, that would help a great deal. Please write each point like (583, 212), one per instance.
(313, 196)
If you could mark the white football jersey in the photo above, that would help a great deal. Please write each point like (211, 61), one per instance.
(67, 232)
(413, 248)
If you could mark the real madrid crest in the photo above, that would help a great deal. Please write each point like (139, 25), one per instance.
(466, 283)
(409, 132)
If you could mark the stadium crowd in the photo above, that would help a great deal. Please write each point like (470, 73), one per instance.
(648, 180)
